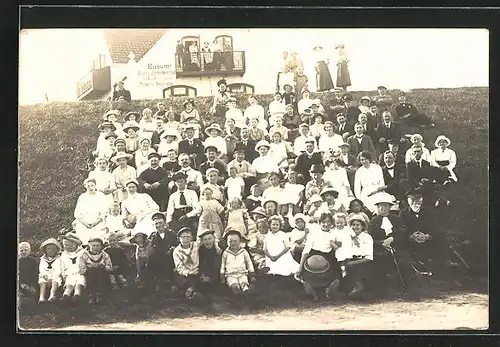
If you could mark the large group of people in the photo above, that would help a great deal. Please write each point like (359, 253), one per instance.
(332, 196)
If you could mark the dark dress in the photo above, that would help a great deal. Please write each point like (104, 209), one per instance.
(160, 194)
(28, 274)
(343, 75)
(325, 81)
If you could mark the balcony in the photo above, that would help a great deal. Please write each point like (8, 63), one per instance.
(208, 64)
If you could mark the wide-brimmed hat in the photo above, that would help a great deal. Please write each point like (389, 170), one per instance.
(442, 138)
(317, 271)
(317, 264)
(106, 124)
(315, 198)
(329, 190)
(287, 84)
(111, 134)
(259, 210)
(262, 143)
(136, 115)
(121, 155)
(110, 112)
(131, 125)
(72, 237)
(214, 126)
(384, 198)
(221, 81)
(317, 168)
(188, 101)
(170, 132)
(50, 241)
(359, 217)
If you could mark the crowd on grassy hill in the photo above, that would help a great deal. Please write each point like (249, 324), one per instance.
(335, 196)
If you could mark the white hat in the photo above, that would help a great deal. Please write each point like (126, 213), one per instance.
(441, 138)
(366, 98)
(262, 143)
(121, 155)
(131, 125)
(293, 220)
(315, 198)
(383, 197)
(170, 132)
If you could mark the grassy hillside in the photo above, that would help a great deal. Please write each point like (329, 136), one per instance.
(56, 137)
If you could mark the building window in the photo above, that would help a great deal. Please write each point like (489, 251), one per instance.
(179, 90)
(241, 88)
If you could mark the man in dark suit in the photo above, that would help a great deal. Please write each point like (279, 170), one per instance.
(368, 125)
(406, 112)
(360, 142)
(348, 162)
(212, 162)
(306, 159)
(417, 168)
(193, 147)
(394, 176)
(344, 129)
(375, 112)
(385, 131)
(351, 110)
(248, 145)
(121, 92)
(424, 238)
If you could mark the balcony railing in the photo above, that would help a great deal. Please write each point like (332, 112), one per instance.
(216, 63)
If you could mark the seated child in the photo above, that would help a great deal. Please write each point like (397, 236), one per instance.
(210, 259)
(142, 252)
(96, 266)
(28, 271)
(186, 260)
(277, 250)
(298, 235)
(119, 261)
(313, 208)
(235, 185)
(74, 282)
(113, 223)
(256, 237)
(236, 265)
(237, 216)
(49, 270)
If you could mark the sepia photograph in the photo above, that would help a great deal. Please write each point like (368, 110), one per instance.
(208, 179)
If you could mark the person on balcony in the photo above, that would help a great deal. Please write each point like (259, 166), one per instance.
(208, 56)
(120, 91)
(194, 50)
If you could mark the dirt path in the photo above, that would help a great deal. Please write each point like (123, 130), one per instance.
(458, 311)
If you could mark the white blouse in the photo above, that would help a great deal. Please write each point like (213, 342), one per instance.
(265, 164)
(103, 179)
(318, 240)
(91, 207)
(139, 205)
(299, 144)
(366, 180)
(219, 142)
(256, 111)
(448, 154)
(303, 104)
(364, 246)
(327, 143)
(237, 115)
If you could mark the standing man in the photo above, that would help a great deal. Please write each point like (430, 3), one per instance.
(154, 181)
(120, 91)
(383, 100)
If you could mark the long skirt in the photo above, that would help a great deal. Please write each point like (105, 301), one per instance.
(322, 280)
(343, 76)
(325, 81)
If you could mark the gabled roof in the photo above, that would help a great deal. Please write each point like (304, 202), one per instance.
(121, 42)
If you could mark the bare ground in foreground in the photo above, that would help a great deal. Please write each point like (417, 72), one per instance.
(456, 311)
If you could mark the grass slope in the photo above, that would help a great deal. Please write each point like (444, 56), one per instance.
(56, 137)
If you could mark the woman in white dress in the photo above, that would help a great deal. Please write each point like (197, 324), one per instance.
(105, 181)
(255, 111)
(277, 250)
(444, 158)
(330, 141)
(123, 173)
(137, 209)
(169, 140)
(193, 50)
(279, 149)
(305, 102)
(89, 213)
(147, 124)
(336, 175)
(141, 155)
(418, 140)
(368, 180)
(264, 164)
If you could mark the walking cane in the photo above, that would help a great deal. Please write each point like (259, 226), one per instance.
(460, 257)
(403, 285)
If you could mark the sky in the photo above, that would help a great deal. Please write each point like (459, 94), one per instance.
(53, 60)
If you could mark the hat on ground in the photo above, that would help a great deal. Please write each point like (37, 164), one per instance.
(315, 198)
(170, 132)
(118, 140)
(329, 190)
(206, 232)
(384, 198)
(359, 217)
(121, 155)
(106, 124)
(179, 176)
(214, 126)
(131, 125)
(110, 112)
(50, 241)
(262, 143)
(259, 210)
(73, 238)
(317, 271)
(367, 98)
(381, 87)
(132, 113)
(184, 230)
(317, 264)
(188, 101)
(158, 215)
(221, 81)
(297, 216)
(111, 134)
(154, 155)
(132, 180)
(442, 138)
(317, 168)
(211, 148)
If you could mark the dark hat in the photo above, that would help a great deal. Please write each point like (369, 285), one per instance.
(239, 147)
(211, 148)
(418, 191)
(188, 101)
(393, 142)
(307, 112)
(222, 81)
(372, 103)
(179, 176)
(206, 232)
(107, 124)
(317, 168)
(184, 230)
(289, 85)
(118, 140)
(154, 155)
(230, 231)
(382, 87)
(158, 215)
(111, 134)
(136, 114)
(347, 97)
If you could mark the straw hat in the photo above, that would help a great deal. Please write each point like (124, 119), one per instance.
(384, 198)
(315, 198)
(212, 127)
(73, 238)
(110, 112)
(121, 155)
(293, 220)
(262, 143)
(442, 138)
(170, 132)
(50, 241)
(357, 216)
(329, 190)
(259, 211)
(131, 125)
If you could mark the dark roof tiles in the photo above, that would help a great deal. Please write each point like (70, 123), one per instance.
(121, 42)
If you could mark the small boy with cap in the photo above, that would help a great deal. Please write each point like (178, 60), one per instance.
(49, 270)
(73, 281)
(288, 95)
(210, 259)
(186, 260)
(28, 271)
(119, 261)
(236, 269)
